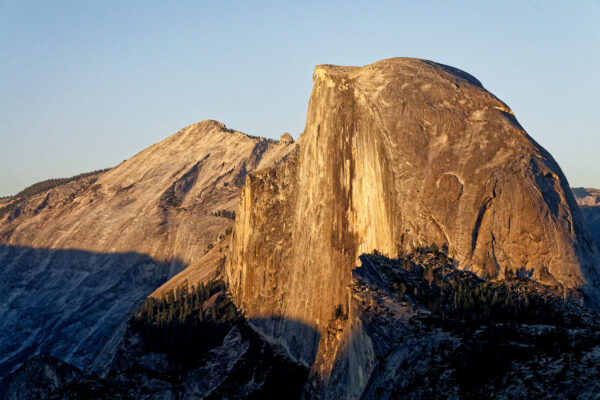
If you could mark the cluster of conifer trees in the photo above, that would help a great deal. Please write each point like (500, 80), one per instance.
(48, 184)
(41, 187)
(477, 301)
(456, 295)
(182, 324)
(224, 213)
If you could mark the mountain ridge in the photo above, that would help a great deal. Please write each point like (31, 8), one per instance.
(155, 213)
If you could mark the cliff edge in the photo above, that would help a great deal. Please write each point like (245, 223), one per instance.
(399, 154)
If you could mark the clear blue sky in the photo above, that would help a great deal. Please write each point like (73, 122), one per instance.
(86, 84)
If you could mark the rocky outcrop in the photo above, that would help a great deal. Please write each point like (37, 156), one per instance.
(286, 138)
(396, 155)
(76, 259)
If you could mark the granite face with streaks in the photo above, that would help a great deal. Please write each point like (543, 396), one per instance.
(396, 155)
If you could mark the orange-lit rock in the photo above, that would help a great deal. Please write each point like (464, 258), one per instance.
(399, 154)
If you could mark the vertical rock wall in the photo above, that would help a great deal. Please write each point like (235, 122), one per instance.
(399, 154)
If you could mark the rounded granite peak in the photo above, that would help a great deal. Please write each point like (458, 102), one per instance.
(206, 126)
(397, 67)
(398, 155)
(212, 123)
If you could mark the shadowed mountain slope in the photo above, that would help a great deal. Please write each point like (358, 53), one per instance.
(72, 304)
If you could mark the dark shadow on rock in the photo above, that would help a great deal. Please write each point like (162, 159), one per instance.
(239, 364)
(266, 366)
(298, 340)
(591, 215)
(71, 304)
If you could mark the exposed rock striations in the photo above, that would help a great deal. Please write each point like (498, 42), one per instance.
(398, 154)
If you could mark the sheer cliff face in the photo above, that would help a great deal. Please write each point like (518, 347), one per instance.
(399, 154)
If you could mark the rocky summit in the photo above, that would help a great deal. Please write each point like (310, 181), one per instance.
(413, 242)
(396, 155)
